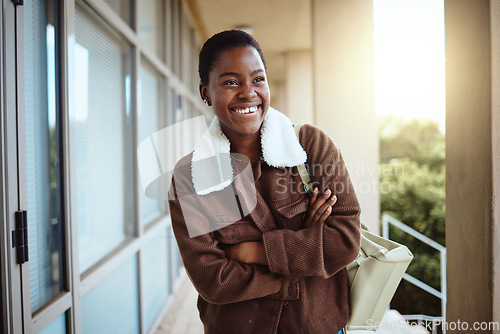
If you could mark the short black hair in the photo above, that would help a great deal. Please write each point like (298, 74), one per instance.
(220, 42)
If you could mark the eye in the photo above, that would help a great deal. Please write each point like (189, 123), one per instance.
(259, 79)
(231, 82)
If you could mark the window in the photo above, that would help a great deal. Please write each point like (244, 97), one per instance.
(151, 108)
(118, 311)
(151, 27)
(43, 151)
(175, 36)
(92, 80)
(122, 8)
(103, 140)
(155, 278)
(57, 326)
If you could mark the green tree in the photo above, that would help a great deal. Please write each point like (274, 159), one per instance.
(412, 190)
(418, 140)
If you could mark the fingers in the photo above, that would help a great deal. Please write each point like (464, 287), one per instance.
(324, 210)
(320, 207)
(333, 200)
(311, 210)
(313, 198)
(327, 209)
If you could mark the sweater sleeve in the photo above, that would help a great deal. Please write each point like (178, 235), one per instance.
(217, 279)
(325, 248)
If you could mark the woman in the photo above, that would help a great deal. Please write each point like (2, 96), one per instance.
(279, 266)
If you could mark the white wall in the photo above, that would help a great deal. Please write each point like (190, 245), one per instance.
(343, 81)
(299, 88)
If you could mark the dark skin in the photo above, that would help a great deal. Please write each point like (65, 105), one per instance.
(238, 91)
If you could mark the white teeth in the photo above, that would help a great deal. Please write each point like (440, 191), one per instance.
(247, 110)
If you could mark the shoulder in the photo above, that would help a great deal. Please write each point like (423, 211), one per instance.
(317, 144)
(181, 177)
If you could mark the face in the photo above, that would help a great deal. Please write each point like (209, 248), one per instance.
(238, 91)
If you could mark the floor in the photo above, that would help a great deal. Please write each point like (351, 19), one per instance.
(182, 316)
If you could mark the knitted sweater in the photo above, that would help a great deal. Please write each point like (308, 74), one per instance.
(304, 288)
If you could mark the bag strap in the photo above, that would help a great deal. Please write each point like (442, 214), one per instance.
(304, 175)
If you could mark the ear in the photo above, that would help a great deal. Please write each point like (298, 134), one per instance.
(204, 94)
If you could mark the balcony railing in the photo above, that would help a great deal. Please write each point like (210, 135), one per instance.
(429, 322)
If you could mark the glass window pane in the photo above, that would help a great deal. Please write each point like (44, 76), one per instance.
(176, 105)
(152, 86)
(194, 71)
(113, 305)
(43, 152)
(188, 65)
(122, 8)
(103, 140)
(58, 326)
(175, 257)
(188, 138)
(175, 29)
(151, 25)
(155, 277)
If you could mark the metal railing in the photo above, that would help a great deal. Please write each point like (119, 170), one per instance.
(427, 322)
(388, 220)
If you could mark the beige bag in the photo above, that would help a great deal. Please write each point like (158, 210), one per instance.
(373, 279)
(375, 274)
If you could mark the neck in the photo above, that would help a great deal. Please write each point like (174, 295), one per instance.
(247, 145)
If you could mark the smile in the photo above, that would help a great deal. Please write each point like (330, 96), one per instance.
(247, 110)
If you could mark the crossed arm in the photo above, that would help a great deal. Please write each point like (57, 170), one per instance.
(253, 252)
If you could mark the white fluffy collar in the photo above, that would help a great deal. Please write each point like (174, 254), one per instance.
(211, 164)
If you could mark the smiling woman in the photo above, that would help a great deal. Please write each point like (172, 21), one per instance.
(238, 91)
(264, 256)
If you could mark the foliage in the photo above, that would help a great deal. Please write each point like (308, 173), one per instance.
(418, 140)
(412, 190)
(414, 195)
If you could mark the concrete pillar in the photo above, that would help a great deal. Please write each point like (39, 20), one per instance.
(278, 96)
(343, 70)
(495, 140)
(473, 162)
(299, 88)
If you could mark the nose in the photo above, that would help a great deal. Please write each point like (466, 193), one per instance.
(247, 92)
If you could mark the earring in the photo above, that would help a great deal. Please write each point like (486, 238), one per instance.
(206, 102)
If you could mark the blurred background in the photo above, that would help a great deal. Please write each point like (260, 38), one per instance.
(85, 82)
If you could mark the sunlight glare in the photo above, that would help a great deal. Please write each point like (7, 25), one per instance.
(409, 59)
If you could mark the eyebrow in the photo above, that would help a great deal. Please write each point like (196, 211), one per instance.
(238, 75)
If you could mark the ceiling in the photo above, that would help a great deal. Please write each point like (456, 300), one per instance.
(278, 25)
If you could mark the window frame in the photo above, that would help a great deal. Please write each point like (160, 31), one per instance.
(14, 278)
(11, 284)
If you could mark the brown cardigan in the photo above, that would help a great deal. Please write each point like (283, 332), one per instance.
(304, 289)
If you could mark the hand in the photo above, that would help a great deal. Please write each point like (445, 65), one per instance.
(320, 207)
(251, 252)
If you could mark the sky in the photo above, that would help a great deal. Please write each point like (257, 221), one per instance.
(410, 59)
